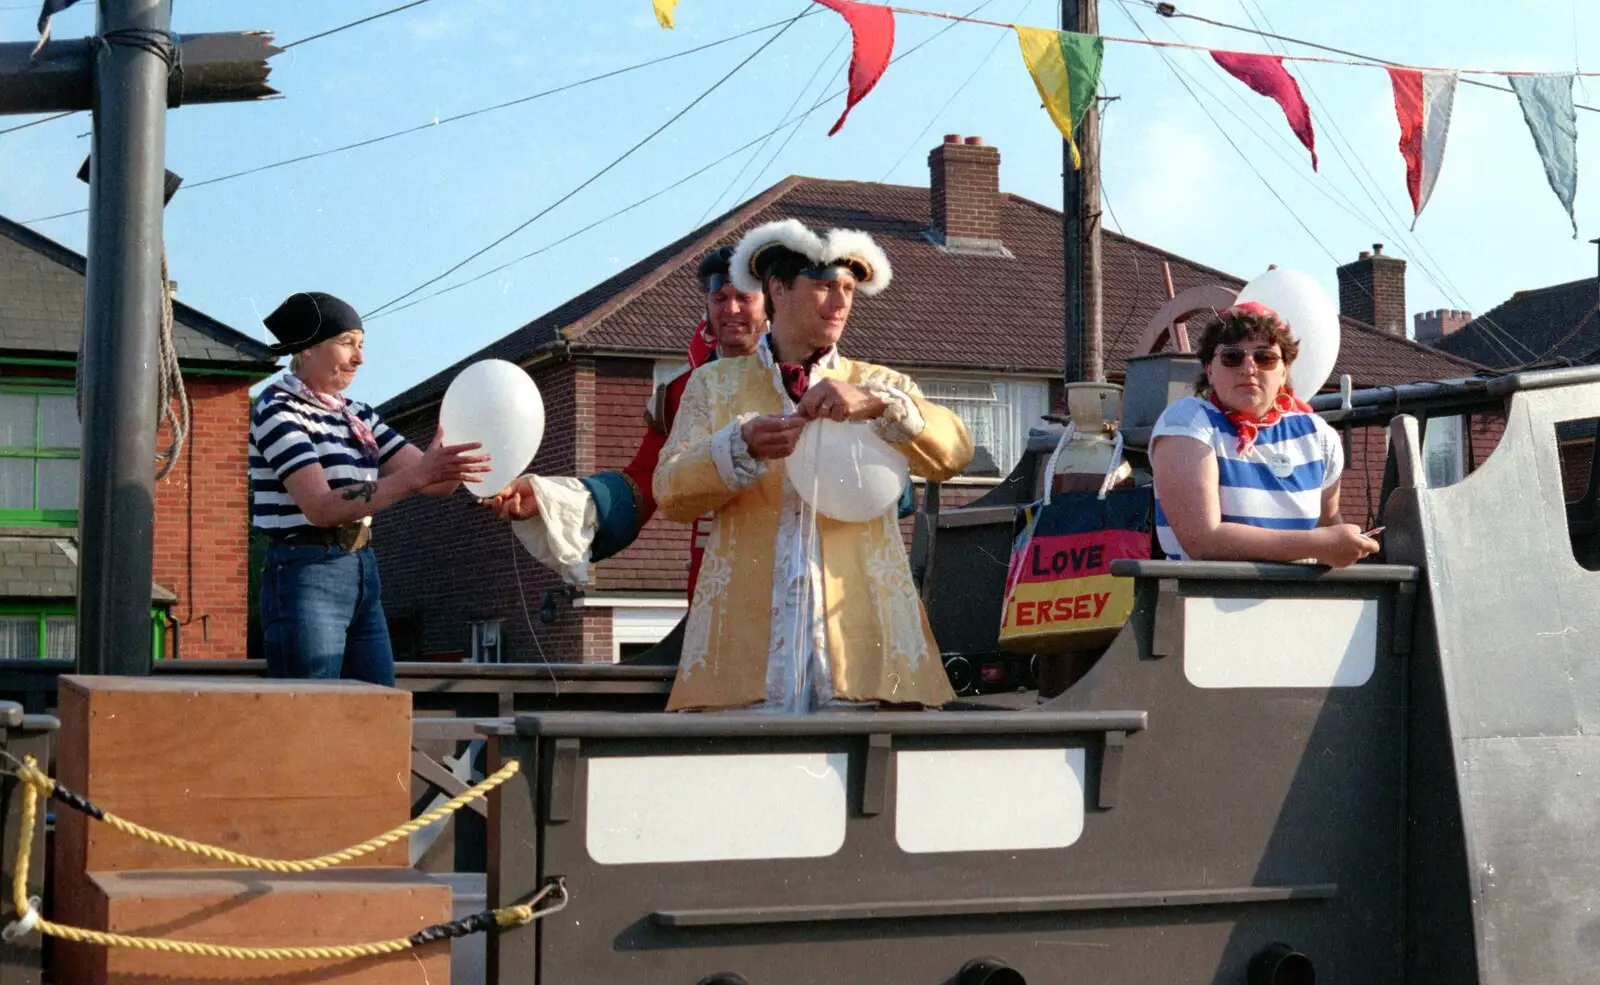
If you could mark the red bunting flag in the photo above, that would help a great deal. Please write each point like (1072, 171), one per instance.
(1422, 101)
(1267, 76)
(872, 44)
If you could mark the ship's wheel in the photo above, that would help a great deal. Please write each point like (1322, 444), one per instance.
(1168, 327)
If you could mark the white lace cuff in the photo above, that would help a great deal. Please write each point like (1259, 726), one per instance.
(738, 468)
(901, 421)
(561, 535)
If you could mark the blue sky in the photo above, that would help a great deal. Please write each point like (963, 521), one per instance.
(373, 223)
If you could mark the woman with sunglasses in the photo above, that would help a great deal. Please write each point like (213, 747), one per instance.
(1244, 471)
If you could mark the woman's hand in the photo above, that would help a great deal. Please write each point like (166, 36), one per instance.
(772, 435)
(516, 501)
(443, 463)
(1342, 544)
(837, 400)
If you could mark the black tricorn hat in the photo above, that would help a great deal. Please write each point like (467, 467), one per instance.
(307, 318)
(713, 271)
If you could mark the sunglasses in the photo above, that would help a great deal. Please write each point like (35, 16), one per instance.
(1233, 357)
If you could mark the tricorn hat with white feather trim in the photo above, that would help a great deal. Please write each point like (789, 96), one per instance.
(789, 243)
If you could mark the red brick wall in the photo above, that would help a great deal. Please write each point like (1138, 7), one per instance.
(657, 560)
(202, 522)
(1373, 290)
(449, 563)
(965, 190)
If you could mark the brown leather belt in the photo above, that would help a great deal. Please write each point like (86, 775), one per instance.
(350, 537)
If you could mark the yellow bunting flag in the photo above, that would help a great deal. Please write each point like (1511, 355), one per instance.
(664, 9)
(1066, 68)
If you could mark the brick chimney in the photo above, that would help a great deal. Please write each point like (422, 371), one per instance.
(1373, 290)
(964, 195)
(1433, 326)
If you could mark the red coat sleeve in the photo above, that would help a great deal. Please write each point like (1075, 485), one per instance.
(642, 470)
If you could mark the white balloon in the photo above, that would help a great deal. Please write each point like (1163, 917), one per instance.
(498, 404)
(1313, 321)
(846, 472)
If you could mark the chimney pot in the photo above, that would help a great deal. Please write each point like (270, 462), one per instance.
(1364, 255)
(974, 141)
(1377, 249)
(952, 138)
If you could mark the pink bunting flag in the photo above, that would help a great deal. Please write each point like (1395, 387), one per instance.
(1422, 101)
(872, 45)
(1266, 75)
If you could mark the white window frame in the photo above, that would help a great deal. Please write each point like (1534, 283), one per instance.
(1026, 400)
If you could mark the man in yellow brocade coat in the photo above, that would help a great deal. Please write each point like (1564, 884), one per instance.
(795, 611)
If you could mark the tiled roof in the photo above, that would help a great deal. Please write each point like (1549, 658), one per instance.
(943, 309)
(41, 308)
(1548, 324)
(46, 567)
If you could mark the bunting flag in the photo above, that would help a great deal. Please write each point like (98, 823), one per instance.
(1547, 106)
(47, 10)
(871, 45)
(1066, 69)
(1267, 76)
(664, 12)
(1422, 101)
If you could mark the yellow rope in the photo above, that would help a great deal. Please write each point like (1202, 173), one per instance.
(35, 782)
(35, 779)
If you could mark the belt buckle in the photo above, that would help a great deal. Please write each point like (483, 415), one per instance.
(352, 536)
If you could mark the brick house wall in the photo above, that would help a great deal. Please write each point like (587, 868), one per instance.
(462, 564)
(202, 522)
(657, 560)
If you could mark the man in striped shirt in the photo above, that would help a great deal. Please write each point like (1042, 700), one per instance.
(321, 465)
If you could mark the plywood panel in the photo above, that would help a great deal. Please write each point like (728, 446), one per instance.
(260, 910)
(284, 769)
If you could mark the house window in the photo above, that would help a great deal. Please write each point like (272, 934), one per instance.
(39, 448)
(1444, 451)
(51, 634)
(997, 413)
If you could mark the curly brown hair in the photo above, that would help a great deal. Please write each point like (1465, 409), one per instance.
(1234, 327)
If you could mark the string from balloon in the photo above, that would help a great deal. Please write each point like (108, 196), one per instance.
(527, 616)
(804, 614)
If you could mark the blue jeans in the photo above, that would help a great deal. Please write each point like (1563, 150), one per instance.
(322, 615)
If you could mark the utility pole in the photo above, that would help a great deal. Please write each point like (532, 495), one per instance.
(1080, 226)
(128, 75)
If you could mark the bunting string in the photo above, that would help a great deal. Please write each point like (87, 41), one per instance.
(1065, 67)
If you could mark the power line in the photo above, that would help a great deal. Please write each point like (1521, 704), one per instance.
(1226, 136)
(346, 27)
(1380, 224)
(676, 184)
(1394, 226)
(787, 139)
(34, 123)
(598, 174)
(431, 124)
(757, 152)
(1153, 5)
(953, 96)
(286, 47)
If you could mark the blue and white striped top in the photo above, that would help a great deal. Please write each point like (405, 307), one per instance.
(288, 433)
(1278, 485)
